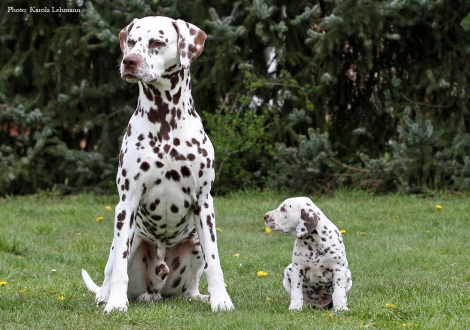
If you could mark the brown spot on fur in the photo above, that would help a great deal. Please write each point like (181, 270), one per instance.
(309, 221)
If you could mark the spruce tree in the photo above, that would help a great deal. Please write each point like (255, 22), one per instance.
(272, 72)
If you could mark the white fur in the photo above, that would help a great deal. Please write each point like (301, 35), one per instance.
(318, 274)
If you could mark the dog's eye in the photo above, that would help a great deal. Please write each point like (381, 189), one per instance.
(130, 43)
(153, 43)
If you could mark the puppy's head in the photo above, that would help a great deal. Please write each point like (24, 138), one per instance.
(155, 44)
(294, 216)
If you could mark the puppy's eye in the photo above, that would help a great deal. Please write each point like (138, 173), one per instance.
(130, 43)
(153, 43)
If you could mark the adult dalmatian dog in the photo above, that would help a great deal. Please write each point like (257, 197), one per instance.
(164, 228)
(319, 274)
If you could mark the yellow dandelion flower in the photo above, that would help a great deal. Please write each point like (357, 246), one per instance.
(363, 232)
(428, 231)
(268, 231)
(268, 299)
(390, 305)
(404, 324)
(261, 273)
(60, 298)
(22, 290)
(99, 219)
(225, 284)
(79, 234)
(218, 229)
(107, 207)
(236, 255)
(3, 283)
(438, 207)
(341, 222)
(343, 231)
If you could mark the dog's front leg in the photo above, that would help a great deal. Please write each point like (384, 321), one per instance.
(296, 295)
(204, 219)
(340, 301)
(102, 295)
(123, 232)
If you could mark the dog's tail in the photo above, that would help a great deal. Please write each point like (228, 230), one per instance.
(89, 282)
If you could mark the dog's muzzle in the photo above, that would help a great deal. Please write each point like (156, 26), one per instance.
(269, 221)
(131, 66)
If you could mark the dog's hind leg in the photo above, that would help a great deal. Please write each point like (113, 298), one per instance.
(186, 263)
(151, 272)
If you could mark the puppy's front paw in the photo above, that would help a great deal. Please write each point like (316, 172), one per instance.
(295, 306)
(340, 308)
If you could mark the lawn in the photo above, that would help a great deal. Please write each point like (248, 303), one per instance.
(409, 262)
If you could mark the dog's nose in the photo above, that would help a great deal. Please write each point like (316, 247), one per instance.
(131, 61)
(266, 216)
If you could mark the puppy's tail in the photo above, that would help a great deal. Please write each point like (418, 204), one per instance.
(89, 282)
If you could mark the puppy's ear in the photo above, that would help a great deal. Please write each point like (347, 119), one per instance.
(308, 221)
(190, 41)
(124, 33)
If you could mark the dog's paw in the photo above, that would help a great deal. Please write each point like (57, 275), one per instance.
(220, 301)
(101, 299)
(200, 297)
(295, 307)
(113, 305)
(149, 296)
(342, 308)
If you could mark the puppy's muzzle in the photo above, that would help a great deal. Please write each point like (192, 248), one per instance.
(268, 220)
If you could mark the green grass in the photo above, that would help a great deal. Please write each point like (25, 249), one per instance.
(401, 251)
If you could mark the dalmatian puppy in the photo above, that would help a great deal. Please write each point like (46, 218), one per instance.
(164, 228)
(318, 274)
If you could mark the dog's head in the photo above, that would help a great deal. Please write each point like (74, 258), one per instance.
(294, 216)
(155, 44)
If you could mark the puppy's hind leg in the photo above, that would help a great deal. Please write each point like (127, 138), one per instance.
(287, 282)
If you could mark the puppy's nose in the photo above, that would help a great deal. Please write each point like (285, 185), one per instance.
(131, 61)
(266, 216)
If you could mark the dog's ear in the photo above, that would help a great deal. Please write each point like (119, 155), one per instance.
(124, 33)
(190, 41)
(308, 221)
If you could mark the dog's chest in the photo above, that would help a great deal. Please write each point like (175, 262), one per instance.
(166, 173)
(320, 252)
(174, 147)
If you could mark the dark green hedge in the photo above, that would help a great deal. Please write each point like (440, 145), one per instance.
(297, 95)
